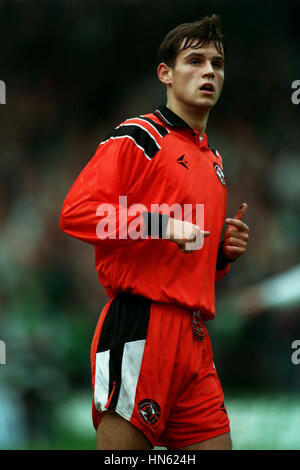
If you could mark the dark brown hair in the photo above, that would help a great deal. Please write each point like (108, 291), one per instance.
(207, 29)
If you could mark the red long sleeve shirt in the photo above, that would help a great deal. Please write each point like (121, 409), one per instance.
(152, 159)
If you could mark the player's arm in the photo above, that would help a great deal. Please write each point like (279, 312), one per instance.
(92, 211)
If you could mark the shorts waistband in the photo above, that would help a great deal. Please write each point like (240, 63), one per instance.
(133, 298)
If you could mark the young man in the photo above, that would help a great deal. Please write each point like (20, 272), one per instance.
(153, 375)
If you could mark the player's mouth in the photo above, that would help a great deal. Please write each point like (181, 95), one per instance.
(207, 88)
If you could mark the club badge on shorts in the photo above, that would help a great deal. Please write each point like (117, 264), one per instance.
(198, 330)
(149, 411)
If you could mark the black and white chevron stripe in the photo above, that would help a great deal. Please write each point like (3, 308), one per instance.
(142, 138)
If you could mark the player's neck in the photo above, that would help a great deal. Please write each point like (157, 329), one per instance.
(195, 117)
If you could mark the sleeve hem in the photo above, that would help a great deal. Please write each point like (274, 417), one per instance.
(155, 224)
(222, 261)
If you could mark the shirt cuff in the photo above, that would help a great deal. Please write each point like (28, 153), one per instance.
(222, 261)
(155, 224)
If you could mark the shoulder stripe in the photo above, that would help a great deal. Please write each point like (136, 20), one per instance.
(162, 131)
(141, 127)
(139, 135)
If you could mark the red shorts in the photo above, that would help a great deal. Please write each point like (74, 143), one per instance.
(152, 363)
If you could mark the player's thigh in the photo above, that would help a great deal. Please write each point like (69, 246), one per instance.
(115, 433)
(221, 442)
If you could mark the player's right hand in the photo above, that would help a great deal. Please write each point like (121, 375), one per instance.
(188, 237)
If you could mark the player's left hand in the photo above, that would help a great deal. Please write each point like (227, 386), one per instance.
(236, 235)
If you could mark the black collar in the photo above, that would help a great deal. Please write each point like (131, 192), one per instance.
(168, 117)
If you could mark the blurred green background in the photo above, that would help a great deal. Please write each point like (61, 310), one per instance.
(73, 70)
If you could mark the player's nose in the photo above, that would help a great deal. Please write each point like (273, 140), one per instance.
(208, 70)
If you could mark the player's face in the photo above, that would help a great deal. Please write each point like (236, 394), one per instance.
(197, 76)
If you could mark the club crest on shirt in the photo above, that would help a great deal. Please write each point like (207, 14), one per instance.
(149, 411)
(220, 174)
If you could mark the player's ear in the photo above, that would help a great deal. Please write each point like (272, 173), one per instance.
(164, 73)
